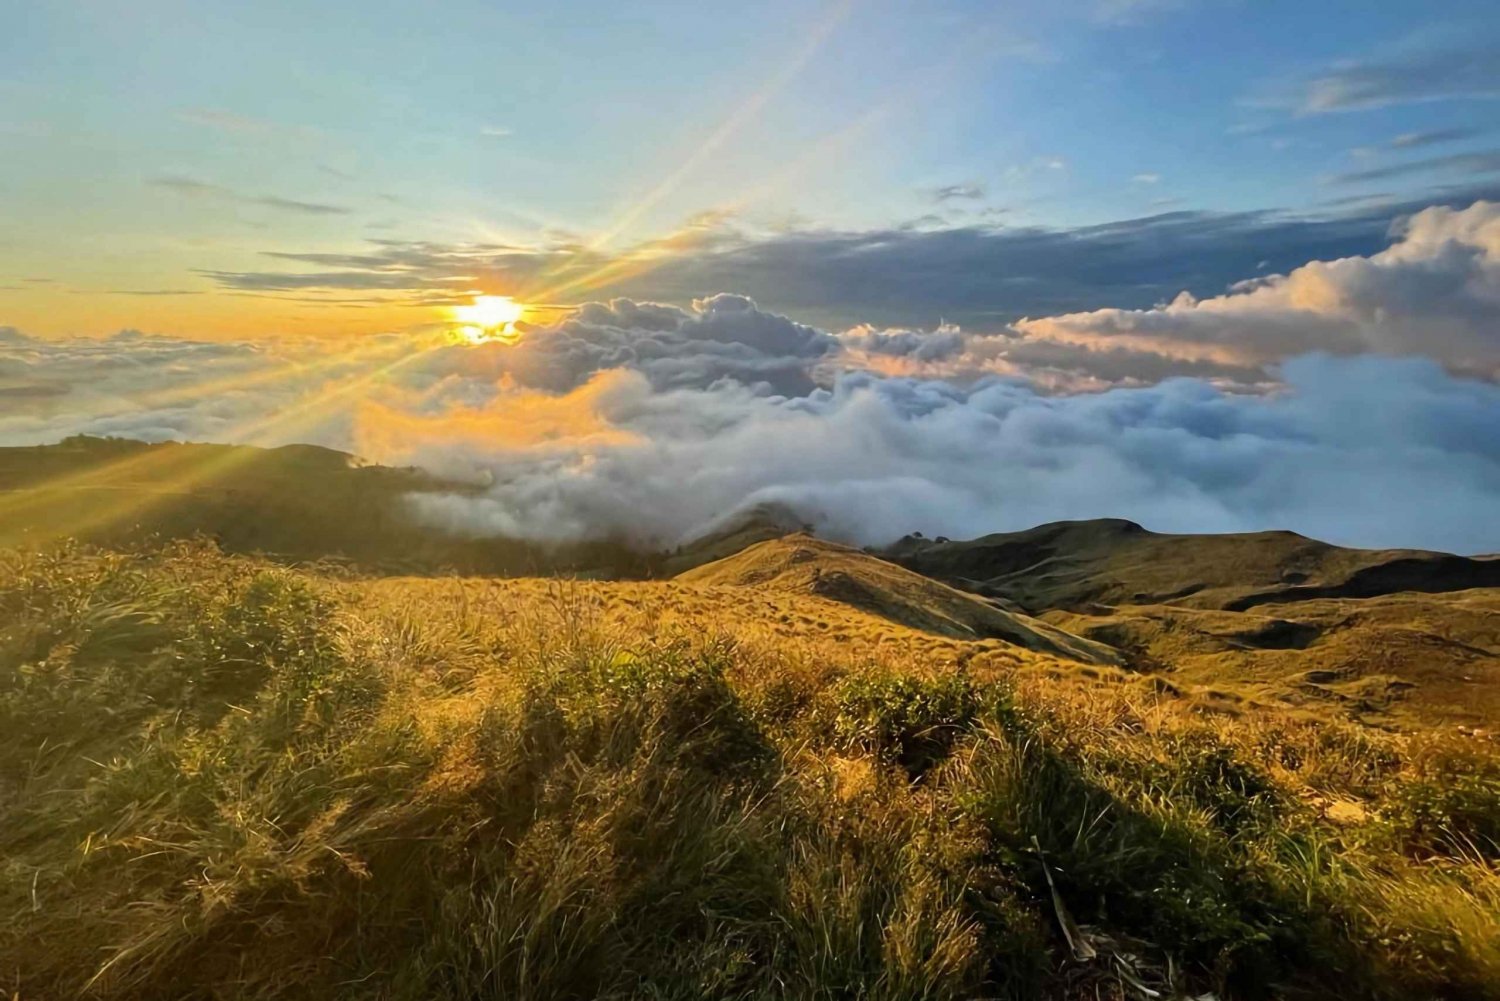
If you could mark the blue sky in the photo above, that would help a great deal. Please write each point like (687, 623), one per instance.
(158, 146)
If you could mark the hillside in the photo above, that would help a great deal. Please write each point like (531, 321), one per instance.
(1085, 761)
(226, 778)
(1077, 564)
(805, 566)
(298, 502)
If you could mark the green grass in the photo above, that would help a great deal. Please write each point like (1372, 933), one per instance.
(221, 778)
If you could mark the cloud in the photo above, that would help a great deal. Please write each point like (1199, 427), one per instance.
(978, 276)
(495, 131)
(201, 189)
(986, 277)
(1432, 137)
(1432, 75)
(653, 422)
(1364, 451)
(1435, 291)
(1470, 164)
(957, 192)
(153, 291)
(1147, 179)
(721, 337)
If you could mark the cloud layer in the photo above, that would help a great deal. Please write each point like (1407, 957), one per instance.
(1351, 399)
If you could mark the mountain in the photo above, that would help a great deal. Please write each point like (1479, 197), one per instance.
(1081, 564)
(322, 749)
(738, 531)
(803, 565)
(296, 502)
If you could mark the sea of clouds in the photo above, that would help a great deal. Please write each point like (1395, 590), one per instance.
(1354, 400)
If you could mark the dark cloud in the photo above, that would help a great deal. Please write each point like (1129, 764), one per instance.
(1469, 164)
(32, 391)
(980, 277)
(722, 337)
(202, 189)
(1432, 137)
(1424, 76)
(957, 192)
(1432, 292)
(987, 277)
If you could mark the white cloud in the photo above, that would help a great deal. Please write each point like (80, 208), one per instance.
(1365, 451)
(1434, 292)
(653, 421)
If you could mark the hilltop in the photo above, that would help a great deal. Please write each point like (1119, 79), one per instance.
(803, 565)
(296, 503)
(1077, 564)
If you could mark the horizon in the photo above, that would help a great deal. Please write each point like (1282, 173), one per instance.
(954, 270)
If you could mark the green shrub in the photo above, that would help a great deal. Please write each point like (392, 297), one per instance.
(909, 720)
(1449, 803)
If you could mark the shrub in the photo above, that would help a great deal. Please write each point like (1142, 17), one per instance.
(911, 721)
(1448, 803)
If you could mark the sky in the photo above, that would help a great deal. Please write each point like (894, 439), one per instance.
(955, 267)
(215, 169)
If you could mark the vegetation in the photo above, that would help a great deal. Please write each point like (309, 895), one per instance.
(297, 502)
(221, 777)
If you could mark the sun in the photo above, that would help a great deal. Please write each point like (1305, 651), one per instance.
(489, 318)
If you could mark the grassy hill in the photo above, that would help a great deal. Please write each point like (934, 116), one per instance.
(1075, 564)
(298, 755)
(805, 566)
(299, 502)
(226, 778)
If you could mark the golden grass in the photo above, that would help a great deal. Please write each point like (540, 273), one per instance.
(221, 778)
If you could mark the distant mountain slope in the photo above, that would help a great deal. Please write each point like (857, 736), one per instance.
(1078, 564)
(738, 532)
(297, 502)
(806, 565)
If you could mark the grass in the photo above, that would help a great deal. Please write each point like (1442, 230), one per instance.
(221, 778)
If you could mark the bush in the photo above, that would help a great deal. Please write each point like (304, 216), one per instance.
(911, 721)
(1449, 802)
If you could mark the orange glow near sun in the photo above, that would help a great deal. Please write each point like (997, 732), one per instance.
(489, 318)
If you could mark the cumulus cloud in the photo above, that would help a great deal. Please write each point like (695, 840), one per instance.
(1435, 291)
(654, 422)
(721, 337)
(1366, 451)
(976, 275)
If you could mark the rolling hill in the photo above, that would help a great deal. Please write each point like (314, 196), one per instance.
(264, 735)
(803, 565)
(1077, 564)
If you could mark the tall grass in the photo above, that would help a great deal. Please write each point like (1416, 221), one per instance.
(220, 778)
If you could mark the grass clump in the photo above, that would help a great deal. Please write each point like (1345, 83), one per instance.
(226, 779)
(912, 721)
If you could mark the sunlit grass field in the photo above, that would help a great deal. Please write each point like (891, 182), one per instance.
(223, 778)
